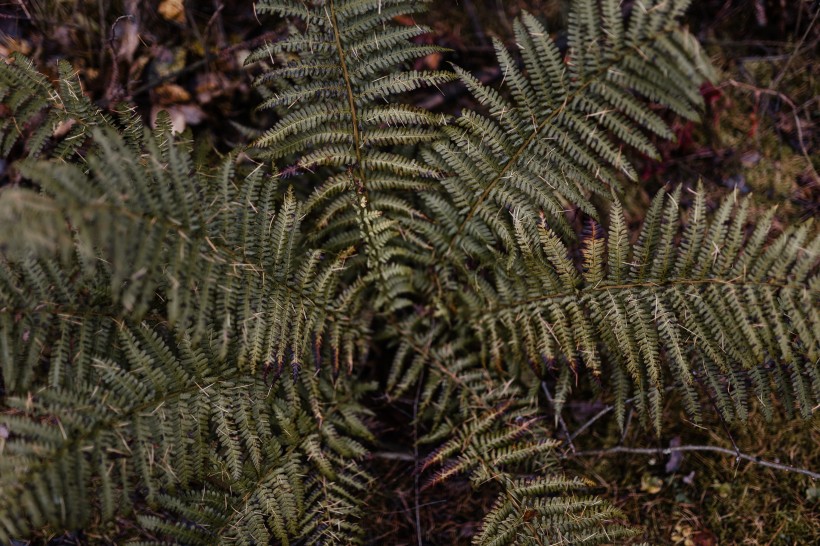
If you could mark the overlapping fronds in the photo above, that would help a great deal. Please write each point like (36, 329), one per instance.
(562, 125)
(505, 445)
(334, 81)
(46, 121)
(164, 325)
(168, 417)
(52, 322)
(715, 306)
(147, 236)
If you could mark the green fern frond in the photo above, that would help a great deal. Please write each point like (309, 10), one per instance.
(169, 418)
(339, 122)
(165, 322)
(504, 445)
(49, 122)
(560, 129)
(709, 309)
(228, 264)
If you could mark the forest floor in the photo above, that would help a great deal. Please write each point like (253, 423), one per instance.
(759, 135)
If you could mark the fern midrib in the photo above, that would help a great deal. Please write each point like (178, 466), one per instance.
(351, 102)
(525, 145)
(223, 254)
(558, 296)
(359, 183)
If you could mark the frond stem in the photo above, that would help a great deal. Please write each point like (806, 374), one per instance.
(627, 286)
(350, 95)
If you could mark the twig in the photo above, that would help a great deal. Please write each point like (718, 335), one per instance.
(558, 415)
(716, 449)
(594, 418)
(393, 455)
(627, 422)
(416, 505)
(114, 90)
(25, 10)
(723, 422)
(787, 100)
(779, 77)
(627, 404)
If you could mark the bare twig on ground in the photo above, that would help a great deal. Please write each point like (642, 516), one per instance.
(416, 505)
(788, 101)
(797, 48)
(739, 455)
(23, 6)
(716, 449)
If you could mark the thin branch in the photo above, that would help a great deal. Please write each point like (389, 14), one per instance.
(393, 456)
(627, 403)
(594, 418)
(797, 49)
(766, 91)
(715, 449)
(416, 474)
(23, 6)
(558, 415)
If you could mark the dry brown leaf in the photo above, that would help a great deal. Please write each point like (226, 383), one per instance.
(63, 128)
(173, 10)
(171, 93)
(182, 115)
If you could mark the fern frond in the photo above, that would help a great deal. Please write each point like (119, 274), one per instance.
(709, 309)
(505, 446)
(48, 121)
(227, 264)
(560, 130)
(148, 429)
(340, 123)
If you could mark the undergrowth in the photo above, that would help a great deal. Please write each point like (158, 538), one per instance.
(254, 345)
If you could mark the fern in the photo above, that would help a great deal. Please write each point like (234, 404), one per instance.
(218, 261)
(535, 503)
(185, 345)
(559, 130)
(340, 122)
(148, 429)
(45, 122)
(663, 312)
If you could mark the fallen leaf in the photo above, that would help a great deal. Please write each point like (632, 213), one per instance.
(171, 93)
(432, 61)
(675, 458)
(651, 484)
(182, 115)
(173, 10)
